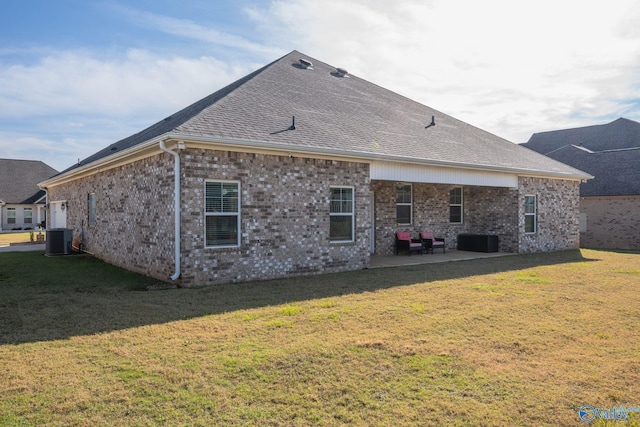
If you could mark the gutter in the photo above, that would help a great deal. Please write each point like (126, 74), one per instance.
(231, 143)
(176, 208)
(369, 157)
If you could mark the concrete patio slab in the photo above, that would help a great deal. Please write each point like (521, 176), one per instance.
(381, 261)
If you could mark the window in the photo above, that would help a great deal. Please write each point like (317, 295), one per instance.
(341, 214)
(455, 205)
(11, 215)
(529, 214)
(28, 216)
(91, 209)
(222, 213)
(403, 204)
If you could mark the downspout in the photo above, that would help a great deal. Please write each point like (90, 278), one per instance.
(176, 209)
(46, 206)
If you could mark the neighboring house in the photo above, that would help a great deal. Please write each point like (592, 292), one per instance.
(22, 203)
(301, 168)
(609, 203)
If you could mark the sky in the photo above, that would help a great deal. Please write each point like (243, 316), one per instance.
(78, 75)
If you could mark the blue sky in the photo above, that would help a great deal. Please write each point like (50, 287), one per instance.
(76, 76)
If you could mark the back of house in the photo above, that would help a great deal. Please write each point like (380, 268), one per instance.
(301, 168)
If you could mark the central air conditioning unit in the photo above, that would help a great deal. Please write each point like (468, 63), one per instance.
(59, 241)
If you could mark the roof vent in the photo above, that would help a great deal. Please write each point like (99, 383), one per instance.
(306, 64)
(341, 72)
(433, 122)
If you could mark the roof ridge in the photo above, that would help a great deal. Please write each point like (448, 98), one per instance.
(337, 113)
(613, 150)
(22, 160)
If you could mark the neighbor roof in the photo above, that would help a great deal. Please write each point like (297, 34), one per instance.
(610, 152)
(340, 114)
(19, 180)
(619, 134)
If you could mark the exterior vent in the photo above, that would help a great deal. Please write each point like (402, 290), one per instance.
(306, 64)
(341, 72)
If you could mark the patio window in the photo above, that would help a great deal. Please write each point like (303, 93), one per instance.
(530, 214)
(341, 215)
(455, 205)
(222, 214)
(403, 203)
(11, 215)
(28, 215)
(91, 209)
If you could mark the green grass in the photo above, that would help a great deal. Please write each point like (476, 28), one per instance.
(519, 340)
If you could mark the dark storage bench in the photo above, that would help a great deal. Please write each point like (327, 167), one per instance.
(478, 242)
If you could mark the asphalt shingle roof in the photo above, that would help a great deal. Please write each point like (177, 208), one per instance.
(337, 113)
(610, 152)
(19, 180)
(619, 134)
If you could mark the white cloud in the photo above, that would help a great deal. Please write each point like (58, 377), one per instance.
(70, 104)
(139, 81)
(191, 30)
(509, 67)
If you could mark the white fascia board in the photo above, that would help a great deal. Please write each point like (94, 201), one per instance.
(367, 157)
(232, 144)
(123, 157)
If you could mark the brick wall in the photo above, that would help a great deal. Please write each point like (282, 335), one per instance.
(611, 222)
(557, 215)
(134, 215)
(285, 217)
(284, 211)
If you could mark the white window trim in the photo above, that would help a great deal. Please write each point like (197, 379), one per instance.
(13, 217)
(206, 214)
(410, 204)
(534, 214)
(25, 217)
(461, 204)
(352, 214)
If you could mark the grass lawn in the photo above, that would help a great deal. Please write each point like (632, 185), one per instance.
(518, 340)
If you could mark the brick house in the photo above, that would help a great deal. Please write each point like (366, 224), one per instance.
(302, 168)
(22, 203)
(609, 203)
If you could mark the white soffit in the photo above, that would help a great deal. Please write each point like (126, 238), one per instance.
(403, 172)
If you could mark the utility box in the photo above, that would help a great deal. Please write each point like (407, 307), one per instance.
(478, 242)
(59, 241)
